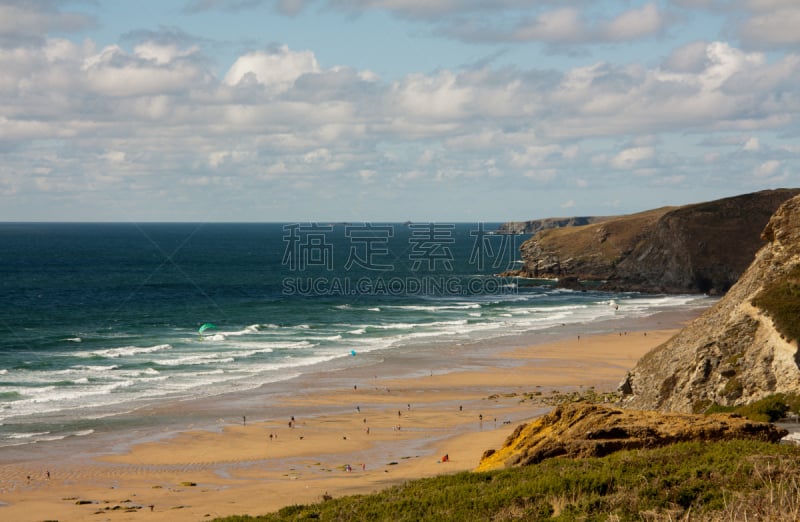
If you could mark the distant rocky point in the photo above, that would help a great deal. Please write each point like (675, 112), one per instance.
(699, 248)
(744, 348)
(591, 430)
(537, 225)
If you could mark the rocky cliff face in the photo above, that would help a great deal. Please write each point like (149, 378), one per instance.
(742, 349)
(695, 248)
(579, 431)
(537, 225)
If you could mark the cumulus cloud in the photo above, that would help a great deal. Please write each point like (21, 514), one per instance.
(633, 157)
(278, 69)
(635, 24)
(776, 27)
(566, 26)
(151, 113)
(25, 19)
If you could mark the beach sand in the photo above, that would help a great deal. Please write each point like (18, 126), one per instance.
(237, 468)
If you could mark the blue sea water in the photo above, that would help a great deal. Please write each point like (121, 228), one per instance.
(99, 319)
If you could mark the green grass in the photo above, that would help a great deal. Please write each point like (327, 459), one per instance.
(769, 409)
(780, 300)
(735, 480)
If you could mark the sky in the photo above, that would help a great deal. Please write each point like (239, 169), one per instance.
(391, 110)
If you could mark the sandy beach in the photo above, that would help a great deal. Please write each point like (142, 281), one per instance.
(386, 429)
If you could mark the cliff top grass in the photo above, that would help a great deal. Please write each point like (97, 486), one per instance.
(780, 300)
(735, 480)
(607, 239)
(769, 409)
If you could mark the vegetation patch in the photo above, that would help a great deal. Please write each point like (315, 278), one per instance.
(735, 480)
(769, 409)
(733, 389)
(780, 300)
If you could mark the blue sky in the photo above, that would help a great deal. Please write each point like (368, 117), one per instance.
(375, 110)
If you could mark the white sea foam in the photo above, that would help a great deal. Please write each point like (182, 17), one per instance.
(93, 368)
(27, 435)
(124, 351)
(190, 360)
(252, 329)
(250, 355)
(436, 308)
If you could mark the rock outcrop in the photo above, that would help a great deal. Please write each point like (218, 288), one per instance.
(742, 349)
(537, 225)
(585, 430)
(702, 248)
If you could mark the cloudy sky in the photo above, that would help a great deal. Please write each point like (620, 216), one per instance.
(369, 110)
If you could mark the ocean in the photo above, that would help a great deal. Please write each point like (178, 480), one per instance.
(99, 320)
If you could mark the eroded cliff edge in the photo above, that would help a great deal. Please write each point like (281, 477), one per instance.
(593, 430)
(742, 349)
(703, 247)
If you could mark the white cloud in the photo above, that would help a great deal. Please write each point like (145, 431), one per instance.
(564, 26)
(635, 24)
(768, 169)
(558, 26)
(751, 145)
(435, 97)
(633, 157)
(157, 112)
(774, 28)
(689, 58)
(38, 18)
(163, 54)
(115, 72)
(278, 69)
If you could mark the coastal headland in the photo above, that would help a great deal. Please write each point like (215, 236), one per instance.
(351, 431)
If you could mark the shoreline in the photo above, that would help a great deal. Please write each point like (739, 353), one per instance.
(417, 405)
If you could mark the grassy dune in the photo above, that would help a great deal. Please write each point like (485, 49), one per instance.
(728, 481)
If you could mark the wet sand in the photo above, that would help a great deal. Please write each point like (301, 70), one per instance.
(388, 428)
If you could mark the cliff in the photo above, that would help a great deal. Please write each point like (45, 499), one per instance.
(586, 430)
(742, 349)
(703, 247)
(537, 225)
